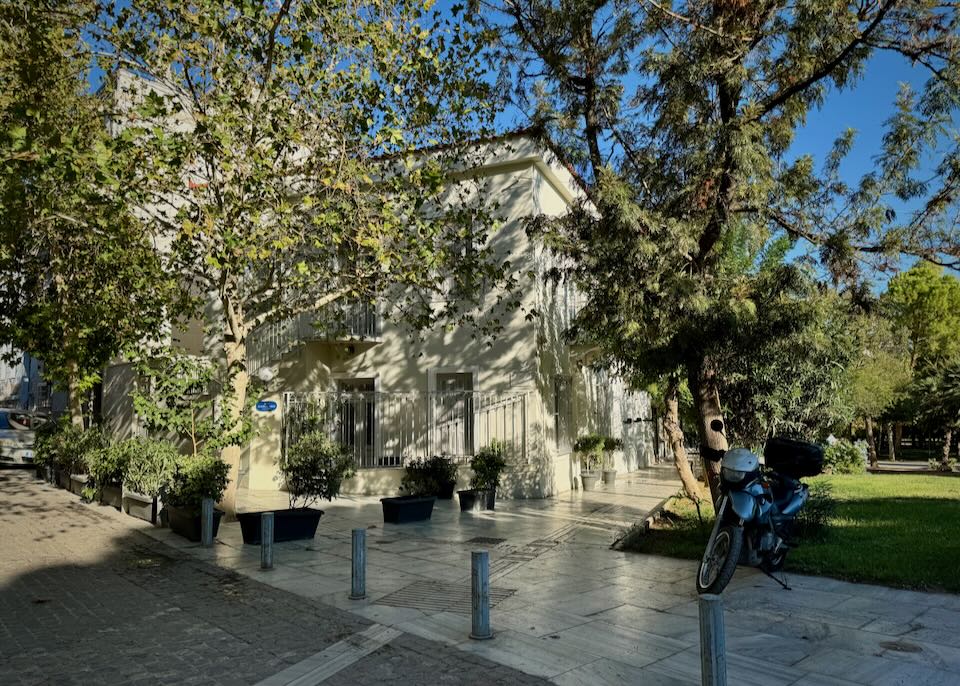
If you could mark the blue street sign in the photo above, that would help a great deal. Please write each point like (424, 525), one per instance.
(266, 406)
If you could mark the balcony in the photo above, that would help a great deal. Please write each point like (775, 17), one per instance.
(336, 323)
(388, 429)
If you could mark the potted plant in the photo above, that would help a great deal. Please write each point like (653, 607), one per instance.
(436, 475)
(420, 487)
(590, 449)
(610, 446)
(195, 477)
(73, 446)
(487, 465)
(108, 466)
(313, 468)
(149, 469)
(444, 473)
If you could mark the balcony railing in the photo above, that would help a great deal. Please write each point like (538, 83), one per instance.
(349, 321)
(388, 429)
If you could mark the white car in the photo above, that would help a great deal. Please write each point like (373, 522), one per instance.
(17, 435)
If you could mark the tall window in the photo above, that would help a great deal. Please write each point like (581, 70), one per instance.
(357, 415)
(562, 413)
(454, 413)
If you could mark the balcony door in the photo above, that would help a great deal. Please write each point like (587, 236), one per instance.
(357, 418)
(453, 412)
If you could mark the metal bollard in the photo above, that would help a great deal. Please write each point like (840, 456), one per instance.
(358, 568)
(266, 540)
(480, 594)
(206, 522)
(713, 653)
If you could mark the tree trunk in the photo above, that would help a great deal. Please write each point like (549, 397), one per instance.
(710, 426)
(871, 443)
(898, 436)
(671, 424)
(945, 460)
(891, 446)
(75, 398)
(235, 403)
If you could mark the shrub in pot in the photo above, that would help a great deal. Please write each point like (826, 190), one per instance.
(195, 477)
(149, 471)
(487, 465)
(108, 466)
(435, 475)
(590, 449)
(610, 446)
(67, 447)
(312, 469)
(419, 487)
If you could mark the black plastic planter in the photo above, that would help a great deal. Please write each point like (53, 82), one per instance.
(186, 521)
(407, 508)
(298, 524)
(474, 500)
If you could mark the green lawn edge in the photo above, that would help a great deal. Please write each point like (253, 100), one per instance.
(898, 530)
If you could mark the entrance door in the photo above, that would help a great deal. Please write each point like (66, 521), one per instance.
(453, 413)
(357, 415)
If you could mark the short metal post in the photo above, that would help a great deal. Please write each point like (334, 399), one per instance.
(358, 567)
(206, 522)
(266, 540)
(713, 656)
(480, 594)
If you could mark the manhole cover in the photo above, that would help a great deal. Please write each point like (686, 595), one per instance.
(438, 596)
(485, 540)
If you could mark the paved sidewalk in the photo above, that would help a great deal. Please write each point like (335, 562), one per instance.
(580, 613)
(87, 598)
(575, 612)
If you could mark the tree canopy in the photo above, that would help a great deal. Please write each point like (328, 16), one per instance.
(79, 279)
(276, 146)
(681, 119)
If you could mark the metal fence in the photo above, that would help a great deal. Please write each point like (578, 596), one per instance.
(386, 429)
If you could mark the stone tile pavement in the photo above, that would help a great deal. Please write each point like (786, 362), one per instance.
(86, 597)
(578, 612)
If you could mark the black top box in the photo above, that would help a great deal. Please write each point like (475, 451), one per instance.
(793, 458)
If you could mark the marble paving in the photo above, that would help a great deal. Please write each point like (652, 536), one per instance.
(582, 613)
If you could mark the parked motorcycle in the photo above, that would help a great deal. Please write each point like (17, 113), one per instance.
(757, 507)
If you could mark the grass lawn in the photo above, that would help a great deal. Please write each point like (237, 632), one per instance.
(895, 529)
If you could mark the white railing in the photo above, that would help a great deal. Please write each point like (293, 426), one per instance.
(385, 429)
(339, 322)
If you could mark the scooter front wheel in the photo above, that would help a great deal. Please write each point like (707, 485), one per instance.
(720, 559)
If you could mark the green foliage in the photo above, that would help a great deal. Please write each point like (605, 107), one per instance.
(924, 301)
(844, 457)
(196, 477)
(314, 467)
(428, 476)
(785, 369)
(813, 521)
(698, 222)
(80, 280)
(67, 446)
(108, 466)
(590, 447)
(151, 466)
(488, 465)
(947, 465)
(280, 137)
(936, 397)
(174, 397)
(881, 377)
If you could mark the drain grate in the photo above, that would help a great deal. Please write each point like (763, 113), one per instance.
(486, 540)
(435, 596)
